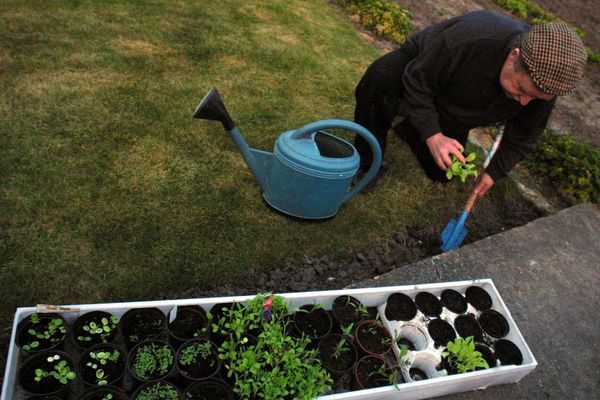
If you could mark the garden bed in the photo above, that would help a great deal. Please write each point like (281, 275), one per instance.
(420, 374)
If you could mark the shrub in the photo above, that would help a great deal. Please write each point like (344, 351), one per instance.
(385, 19)
(572, 167)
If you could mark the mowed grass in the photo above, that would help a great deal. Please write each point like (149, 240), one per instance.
(110, 191)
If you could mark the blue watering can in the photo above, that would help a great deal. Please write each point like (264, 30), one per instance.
(310, 172)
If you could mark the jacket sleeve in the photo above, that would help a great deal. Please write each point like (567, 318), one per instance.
(520, 138)
(424, 77)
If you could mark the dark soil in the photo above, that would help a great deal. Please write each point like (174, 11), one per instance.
(428, 304)
(441, 332)
(493, 323)
(202, 367)
(112, 370)
(466, 325)
(508, 353)
(367, 373)
(453, 301)
(478, 298)
(315, 323)
(487, 354)
(347, 310)
(400, 307)
(189, 323)
(209, 389)
(372, 338)
(85, 319)
(142, 323)
(343, 361)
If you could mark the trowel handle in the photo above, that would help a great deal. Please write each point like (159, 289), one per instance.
(307, 130)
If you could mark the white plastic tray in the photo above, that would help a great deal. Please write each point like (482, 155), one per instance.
(370, 297)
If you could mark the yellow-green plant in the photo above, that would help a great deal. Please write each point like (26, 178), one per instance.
(462, 356)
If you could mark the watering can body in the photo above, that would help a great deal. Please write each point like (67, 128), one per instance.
(309, 175)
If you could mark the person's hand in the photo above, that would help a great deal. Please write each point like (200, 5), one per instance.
(441, 147)
(483, 185)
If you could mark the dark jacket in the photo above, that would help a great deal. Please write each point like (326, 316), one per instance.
(452, 84)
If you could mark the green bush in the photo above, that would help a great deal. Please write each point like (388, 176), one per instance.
(385, 19)
(572, 167)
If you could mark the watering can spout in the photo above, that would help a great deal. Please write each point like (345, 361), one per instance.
(211, 107)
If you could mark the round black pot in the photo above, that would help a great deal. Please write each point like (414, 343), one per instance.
(466, 325)
(441, 332)
(139, 324)
(493, 323)
(101, 319)
(454, 301)
(507, 352)
(428, 304)
(371, 338)
(342, 363)
(348, 310)
(150, 391)
(367, 375)
(487, 353)
(100, 393)
(152, 350)
(113, 371)
(25, 335)
(400, 307)
(191, 322)
(209, 389)
(200, 367)
(417, 374)
(48, 386)
(315, 323)
(478, 298)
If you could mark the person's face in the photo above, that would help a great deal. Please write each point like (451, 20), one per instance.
(517, 84)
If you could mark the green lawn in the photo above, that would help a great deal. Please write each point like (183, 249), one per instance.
(109, 190)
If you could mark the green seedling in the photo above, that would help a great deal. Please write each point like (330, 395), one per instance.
(102, 358)
(463, 171)
(60, 371)
(53, 332)
(462, 356)
(160, 391)
(152, 359)
(108, 396)
(342, 345)
(190, 354)
(104, 329)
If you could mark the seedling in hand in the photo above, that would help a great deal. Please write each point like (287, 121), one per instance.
(463, 171)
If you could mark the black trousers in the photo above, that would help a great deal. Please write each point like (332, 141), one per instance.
(379, 100)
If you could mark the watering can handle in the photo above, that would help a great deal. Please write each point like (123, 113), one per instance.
(307, 130)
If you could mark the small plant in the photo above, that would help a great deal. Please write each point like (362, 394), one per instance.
(60, 371)
(103, 330)
(342, 345)
(102, 358)
(152, 360)
(463, 171)
(384, 18)
(462, 356)
(49, 329)
(403, 360)
(361, 309)
(190, 353)
(158, 391)
(108, 396)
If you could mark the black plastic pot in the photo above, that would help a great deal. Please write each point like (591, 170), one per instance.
(487, 354)
(367, 373)
(372, 338)
(493, 323)
(209, 389)
(47, 386)
(341, 363)
(441, 332)
(100, 393)
(153, 350)
(400, 307)
(507, 352)
(191, 322)
(83, 339)
(113, 370)
(348, 310)
(148, 389)
(313, 322)
(25, 335)
(478, 298)
(466, 325)
(454, 301)
(139, 324)
(428, 304)
(196, 366)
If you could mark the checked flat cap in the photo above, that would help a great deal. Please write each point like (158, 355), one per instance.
(555, 57)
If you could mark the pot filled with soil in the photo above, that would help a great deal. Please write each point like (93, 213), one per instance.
(493, 323)
(487, 353)
(151, 360)
(507, 352)
(314, 322)
(93, 328)
(209, 389)
(454, 301)
(188, 322)
(102, 364)
(47, 373)
(466, 325)
(461, 356)
(478, 298)
(428, 304)
(139, 324)
(400, 307)
(338, 354)
(348, 310)
(441, 332)
(198, 359)
(372, 371)
(372, 338)
(41, 332)
(103, 393)
(160, 390)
